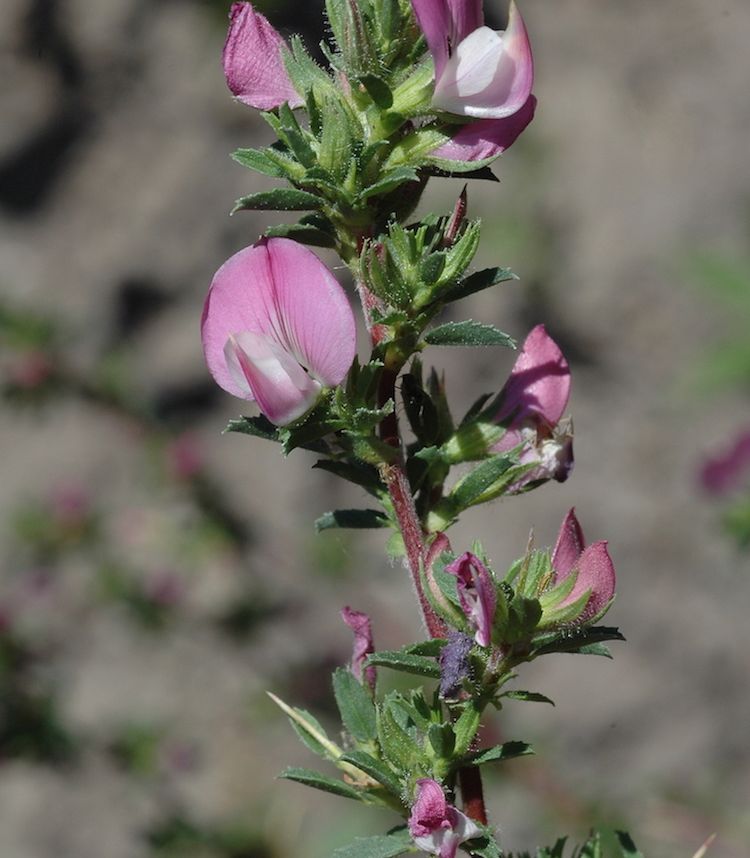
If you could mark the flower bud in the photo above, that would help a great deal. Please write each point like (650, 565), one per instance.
(436, 826)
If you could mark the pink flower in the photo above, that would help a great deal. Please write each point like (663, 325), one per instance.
(478, 72)
(277, 328)
(532, 404)
(727, 471)
(253, 64)
(360, 624)
(436, 826)
(596, 572)
(486, 138)
(476, 592)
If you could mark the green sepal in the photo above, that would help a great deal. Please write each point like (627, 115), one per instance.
(405, 662)
(477, 282)
(290, 132)
(523, 618)
(355, 706)
(279, 199)
(497, 754)
(314, 779)
(304, 73)
(468, 333)
(376, 769)
(353, 519)
(378, 90)
(378, 846)
(258, 427)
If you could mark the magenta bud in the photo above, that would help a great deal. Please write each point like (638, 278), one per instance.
(592, 565)
(360, 624)
(476, 593)
(436, 826)
(253, 61)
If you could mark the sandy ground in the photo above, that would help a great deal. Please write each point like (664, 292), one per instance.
(637, 161)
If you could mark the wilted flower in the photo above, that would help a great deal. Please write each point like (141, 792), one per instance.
(277, 328)
(253, 63)
(360, 624)
(476, 592)
(531, 407)
(593, 566)
(436, 826)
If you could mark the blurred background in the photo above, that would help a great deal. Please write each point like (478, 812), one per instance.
(157, 577)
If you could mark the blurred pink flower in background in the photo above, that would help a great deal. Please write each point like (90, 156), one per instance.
(277, 328)
(730, 470)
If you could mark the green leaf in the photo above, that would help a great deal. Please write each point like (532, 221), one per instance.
(259, 427)
(303, 233)
(627, 847)
(356, 519)
(486, 848)
(390, 182)
(443, 740)
(279, 199)
(398, 747)
(379, 846)
(355, 472)
(528, 696)
(497, 754)
(314, 779)
(466, 728)
(470, 487)
(309, 739)
(406, 662)
(468, 333)
(432, 647)
(258, 160)
(355, 705)
(376, 769)
(479, 281)
(378, 90)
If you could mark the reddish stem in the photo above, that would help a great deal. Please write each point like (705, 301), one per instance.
(472, 793)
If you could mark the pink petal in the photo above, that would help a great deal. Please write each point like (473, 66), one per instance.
(429, 811)
(568, 548)
(489, 75)
(467, 16)
(487, 138)
(282, 291)
(360, 624)
(272, 377)
(476, 592)
(253, 63)
(539, 383)
(596, 572)
(434, 19)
